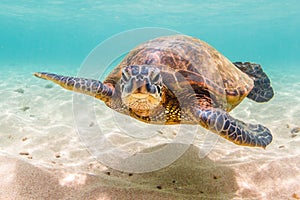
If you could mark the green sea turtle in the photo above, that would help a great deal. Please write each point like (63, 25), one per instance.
(181, 80)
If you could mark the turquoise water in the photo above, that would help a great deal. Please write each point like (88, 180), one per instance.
(62, 34)
(37, 118)
(58, 36)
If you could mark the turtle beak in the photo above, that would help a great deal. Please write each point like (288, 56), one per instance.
(139, 86)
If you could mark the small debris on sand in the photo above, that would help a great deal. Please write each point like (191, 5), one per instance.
(48, 86)
(57, 155)
(20, 90)
(25, 108)
(293, 135)
(24, 153)
(24, 139)
(215, 177)
(295, 130)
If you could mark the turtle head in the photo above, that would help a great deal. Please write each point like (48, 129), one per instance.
(141, 88)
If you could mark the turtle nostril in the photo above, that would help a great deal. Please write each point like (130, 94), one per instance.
(139, 77)
(139, 83)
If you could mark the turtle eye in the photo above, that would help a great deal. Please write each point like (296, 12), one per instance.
(155, 76)
(125, 75)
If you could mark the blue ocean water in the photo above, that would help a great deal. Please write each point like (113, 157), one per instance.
(62, 33)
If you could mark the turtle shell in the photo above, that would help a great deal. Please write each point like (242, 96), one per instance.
(199, 64)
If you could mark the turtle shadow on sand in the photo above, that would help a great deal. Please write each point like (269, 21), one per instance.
(187, 178)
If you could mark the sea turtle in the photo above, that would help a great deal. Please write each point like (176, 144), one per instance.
(181, 80)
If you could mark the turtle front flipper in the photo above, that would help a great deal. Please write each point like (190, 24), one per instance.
(220, 122)
(262, 90)
(87, 86)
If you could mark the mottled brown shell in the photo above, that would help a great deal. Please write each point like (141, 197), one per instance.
(198, 62)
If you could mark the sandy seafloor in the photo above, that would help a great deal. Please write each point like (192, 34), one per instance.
(42, 156)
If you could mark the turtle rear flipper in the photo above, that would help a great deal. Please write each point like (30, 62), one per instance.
(262, 90)
(236, 131)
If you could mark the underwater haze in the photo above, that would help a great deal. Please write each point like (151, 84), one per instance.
(64, 32)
